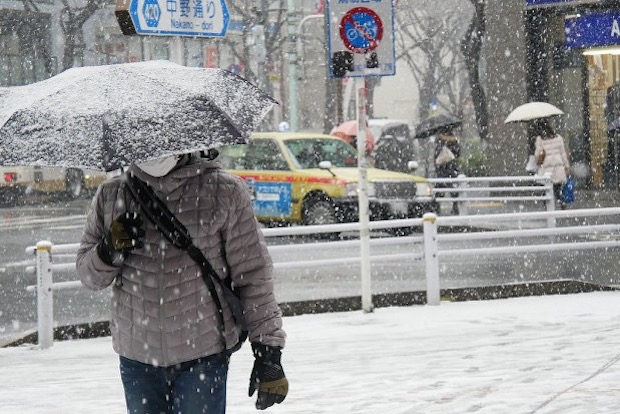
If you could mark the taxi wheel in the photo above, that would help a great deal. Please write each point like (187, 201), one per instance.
(319, 210)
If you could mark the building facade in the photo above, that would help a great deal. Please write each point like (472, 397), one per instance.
(566, 53)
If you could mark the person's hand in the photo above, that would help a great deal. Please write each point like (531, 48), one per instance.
(125, 234)
(267, 376)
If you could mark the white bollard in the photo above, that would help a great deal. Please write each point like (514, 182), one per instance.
(45, 294)
(431, 259)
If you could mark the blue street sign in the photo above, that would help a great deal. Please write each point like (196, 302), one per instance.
(593, 30)
(360, 36)
(196, 18)
(361, 29)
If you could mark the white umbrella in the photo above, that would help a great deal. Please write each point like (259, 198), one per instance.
(533, 110)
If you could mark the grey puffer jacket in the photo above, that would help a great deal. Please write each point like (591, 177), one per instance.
(162, 313)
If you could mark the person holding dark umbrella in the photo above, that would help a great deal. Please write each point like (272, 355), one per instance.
(173, 356)
(447, 149)
(172, 323)
(448, 166)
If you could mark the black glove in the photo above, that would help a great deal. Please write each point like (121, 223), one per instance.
(267, 376)
(124, 235)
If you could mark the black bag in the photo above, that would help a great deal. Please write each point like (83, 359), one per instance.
(178, 235)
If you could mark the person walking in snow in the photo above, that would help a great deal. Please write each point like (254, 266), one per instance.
(551, 156)
(173, 355)
(447, 153)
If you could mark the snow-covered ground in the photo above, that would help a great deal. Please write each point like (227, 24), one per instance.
(554, 354)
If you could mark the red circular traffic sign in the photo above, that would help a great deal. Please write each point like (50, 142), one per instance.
(361, 29)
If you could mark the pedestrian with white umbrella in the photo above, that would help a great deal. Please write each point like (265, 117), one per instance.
(529, 112)
(551, 157)
(548, 155)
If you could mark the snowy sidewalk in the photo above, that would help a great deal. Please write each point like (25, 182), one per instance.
(554, 354)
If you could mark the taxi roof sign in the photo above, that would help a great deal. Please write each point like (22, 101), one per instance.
(360, 37)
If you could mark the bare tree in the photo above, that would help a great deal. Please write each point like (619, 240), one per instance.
(471, 47)
(272, 22)
(72, 20)
(428, 42)
(30, 5)
(41, 36)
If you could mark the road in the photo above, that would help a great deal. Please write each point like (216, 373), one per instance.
(62, 221)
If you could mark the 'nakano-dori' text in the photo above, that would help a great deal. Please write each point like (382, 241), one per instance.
(187, 25)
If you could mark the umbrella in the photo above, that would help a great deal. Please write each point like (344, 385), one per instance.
(348, 129)
(614, 126)
(435, 124)
(105, 117)
(533, 110)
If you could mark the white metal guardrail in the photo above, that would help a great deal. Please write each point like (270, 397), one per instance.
(432, 251)
(431, 239)
(465, 190)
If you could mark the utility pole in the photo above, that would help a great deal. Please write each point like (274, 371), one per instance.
(292, 64)
(259, 43)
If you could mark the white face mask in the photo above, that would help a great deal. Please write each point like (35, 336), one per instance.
(159, 167)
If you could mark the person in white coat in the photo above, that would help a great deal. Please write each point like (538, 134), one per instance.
(551, 156)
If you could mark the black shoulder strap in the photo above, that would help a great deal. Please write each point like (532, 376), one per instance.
(176, 233)
(157, 212)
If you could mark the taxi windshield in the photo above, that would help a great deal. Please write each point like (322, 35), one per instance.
(308, 153)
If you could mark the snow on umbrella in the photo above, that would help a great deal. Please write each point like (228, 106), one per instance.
(532, 110)
(614, 126)
(105, 117)
(348, 129)
(435, 124)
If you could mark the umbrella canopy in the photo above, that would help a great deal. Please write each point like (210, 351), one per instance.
(532, 110)
(614, 126)
(435, 124)
(105, 117)
(348, 130)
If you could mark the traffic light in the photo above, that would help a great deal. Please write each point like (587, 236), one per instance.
(372, 61)
(342, 62)
(124, 18)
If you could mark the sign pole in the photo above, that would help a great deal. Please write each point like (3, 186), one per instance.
(361, 44)
(292, 64)
(362, 199)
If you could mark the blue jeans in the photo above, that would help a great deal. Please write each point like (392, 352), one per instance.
(197, 386)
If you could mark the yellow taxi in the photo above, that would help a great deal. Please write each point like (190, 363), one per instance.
(310, 178)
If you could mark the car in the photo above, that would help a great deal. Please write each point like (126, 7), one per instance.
(311, 178)
(18, 180)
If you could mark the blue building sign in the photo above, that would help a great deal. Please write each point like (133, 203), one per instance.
(593, 30)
